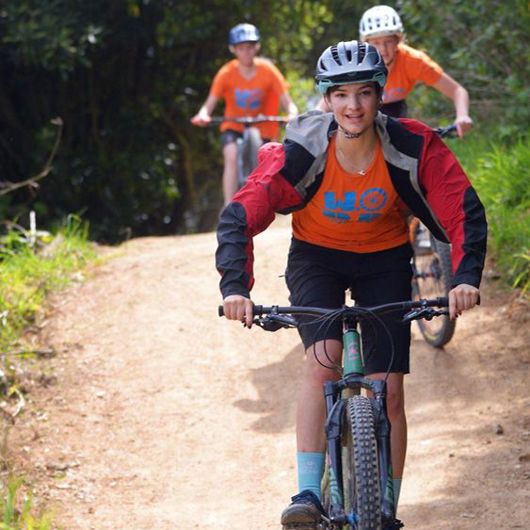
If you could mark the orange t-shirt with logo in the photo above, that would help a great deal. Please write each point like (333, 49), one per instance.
(410, 67)
(249, 97)
(353, 211)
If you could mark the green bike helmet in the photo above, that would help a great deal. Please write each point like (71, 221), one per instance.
(349, 62)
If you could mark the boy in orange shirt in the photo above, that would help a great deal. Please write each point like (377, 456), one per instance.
(249, 86)
(381, 26)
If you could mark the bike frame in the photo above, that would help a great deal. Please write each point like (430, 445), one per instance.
(352, 381)
(336, 397)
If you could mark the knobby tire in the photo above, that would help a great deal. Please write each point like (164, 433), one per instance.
(363, 486)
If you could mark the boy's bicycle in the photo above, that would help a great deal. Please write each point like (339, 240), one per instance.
(357, 488)
(249, 144)
(432, 271)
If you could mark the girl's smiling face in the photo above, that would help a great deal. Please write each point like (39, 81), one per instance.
(354, 106)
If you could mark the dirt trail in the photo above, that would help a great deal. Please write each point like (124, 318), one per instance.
(166, 417)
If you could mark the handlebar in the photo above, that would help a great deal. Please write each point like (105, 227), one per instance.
(260, 310)
(449, 131)
(248, 120)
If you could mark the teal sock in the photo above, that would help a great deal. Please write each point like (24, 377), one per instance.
(397, 490)
(310, 469)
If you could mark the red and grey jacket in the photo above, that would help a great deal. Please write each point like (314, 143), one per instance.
(426, 175)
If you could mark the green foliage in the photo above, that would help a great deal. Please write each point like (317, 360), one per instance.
(31, 270)
(483, 45)
(126, 77)
(16, 508)
(500, 175)
(44, 34)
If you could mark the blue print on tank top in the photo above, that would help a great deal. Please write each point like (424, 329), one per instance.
(368, 205)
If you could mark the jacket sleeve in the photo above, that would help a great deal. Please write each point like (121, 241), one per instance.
(457, 206)
(251, 211)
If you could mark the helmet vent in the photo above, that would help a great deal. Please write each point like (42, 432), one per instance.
(335, 54)
(361, 52)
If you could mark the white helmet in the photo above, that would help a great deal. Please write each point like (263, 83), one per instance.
(380, 21)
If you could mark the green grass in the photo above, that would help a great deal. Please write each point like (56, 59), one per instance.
(29, 272)
(17, 511)
(499, 173)
(31, 266)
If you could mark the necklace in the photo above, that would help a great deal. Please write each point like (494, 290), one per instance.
(347, 165)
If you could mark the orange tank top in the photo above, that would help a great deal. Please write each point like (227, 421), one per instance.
(353, 211)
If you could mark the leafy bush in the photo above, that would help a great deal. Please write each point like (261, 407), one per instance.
(500, 177)
(29, 270)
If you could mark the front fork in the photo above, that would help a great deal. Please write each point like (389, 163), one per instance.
(336, 394)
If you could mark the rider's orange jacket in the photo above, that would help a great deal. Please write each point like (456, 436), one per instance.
(426, 175)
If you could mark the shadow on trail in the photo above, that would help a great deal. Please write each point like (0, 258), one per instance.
(468, 419)
(474, 494)
(276, 385)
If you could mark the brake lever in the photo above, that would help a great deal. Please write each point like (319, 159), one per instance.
(428, 313)
(410, 316)
(275, 322)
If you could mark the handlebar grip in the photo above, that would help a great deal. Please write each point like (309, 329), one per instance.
(443, 301)
(257, 310)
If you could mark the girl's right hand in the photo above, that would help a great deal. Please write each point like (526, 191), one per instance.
(237, 307)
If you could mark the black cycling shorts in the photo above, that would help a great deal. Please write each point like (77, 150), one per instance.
(319, 277)
(229, 136)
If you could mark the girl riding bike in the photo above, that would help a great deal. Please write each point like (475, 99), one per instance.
(350, 178)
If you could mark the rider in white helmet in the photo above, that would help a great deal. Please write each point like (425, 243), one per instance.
(381, 26)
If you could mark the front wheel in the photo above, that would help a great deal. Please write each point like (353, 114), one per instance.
(432, 278)
(363, 475)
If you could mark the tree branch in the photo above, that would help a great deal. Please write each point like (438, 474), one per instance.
(58, 122)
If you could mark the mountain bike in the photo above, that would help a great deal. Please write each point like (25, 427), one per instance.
(249, 144)
(432, 271)
(357, 488)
